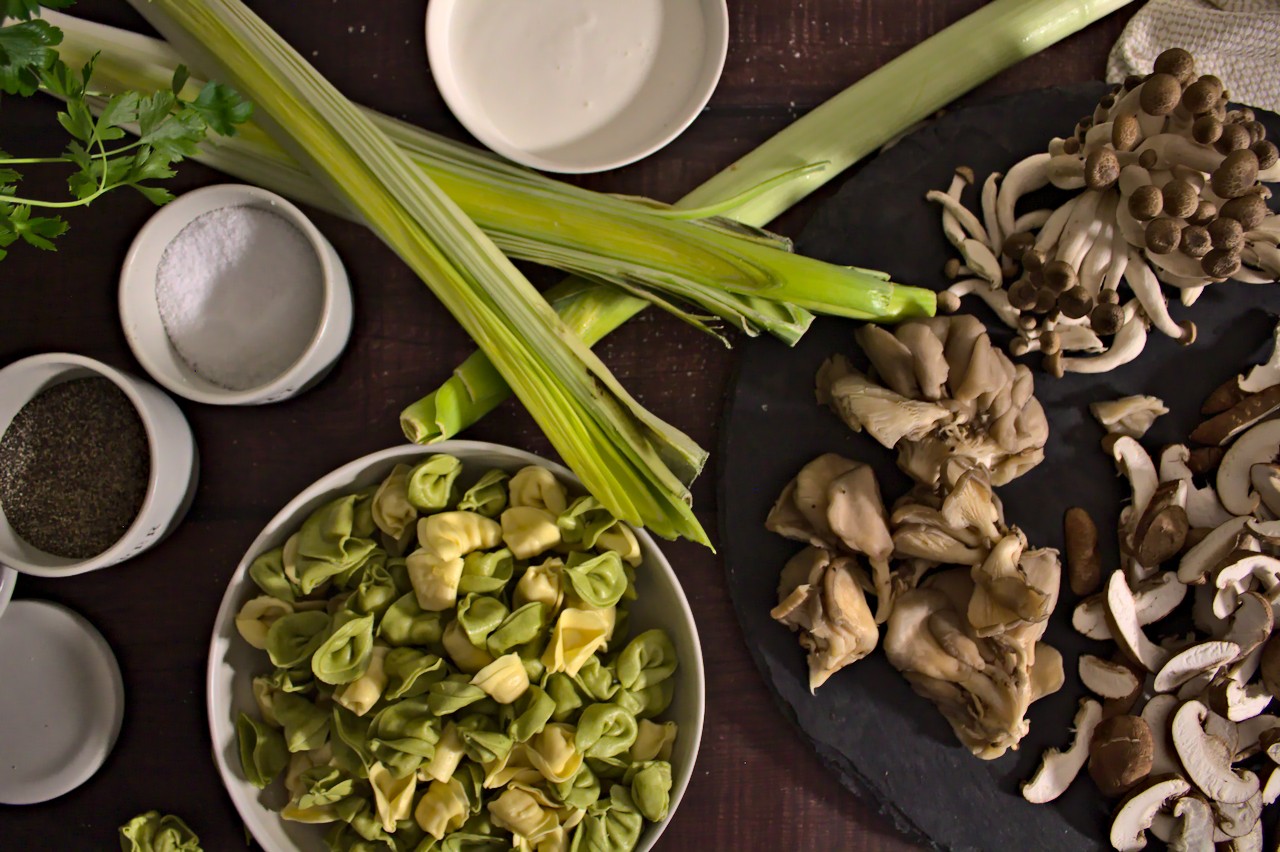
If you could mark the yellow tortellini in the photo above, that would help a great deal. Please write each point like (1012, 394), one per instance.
(538, 487)
(528, 531)
(465, 695)
(452, 535)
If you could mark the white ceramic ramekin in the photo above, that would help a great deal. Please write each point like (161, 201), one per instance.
(145, 331)
(170, 487)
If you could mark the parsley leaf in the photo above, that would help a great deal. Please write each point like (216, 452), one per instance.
(222, 108)
(26, 51)
(26, 9)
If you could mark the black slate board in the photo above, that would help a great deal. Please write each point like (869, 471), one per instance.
(867, 725)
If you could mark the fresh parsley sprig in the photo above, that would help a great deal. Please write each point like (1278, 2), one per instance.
(167, 127)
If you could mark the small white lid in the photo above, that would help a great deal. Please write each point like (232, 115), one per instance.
(61, 703)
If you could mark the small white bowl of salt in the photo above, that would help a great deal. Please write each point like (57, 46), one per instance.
(229, 295)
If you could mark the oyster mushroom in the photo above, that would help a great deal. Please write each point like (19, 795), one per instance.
(1011, 586)
(857, 516)
(1059, 768)
(1130, 415)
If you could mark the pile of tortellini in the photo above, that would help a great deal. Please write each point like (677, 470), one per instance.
(476, 693)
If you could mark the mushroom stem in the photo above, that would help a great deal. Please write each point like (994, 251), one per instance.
(1026, 176)
(958, 223)
(1081, 227)
(1147, 289)
(1052, 230)
(990, 192)
(1032, 221)
(1125, 346)
(996, 299)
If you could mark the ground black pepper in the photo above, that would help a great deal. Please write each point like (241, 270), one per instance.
(74, 466)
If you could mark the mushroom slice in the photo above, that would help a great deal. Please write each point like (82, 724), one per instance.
(1130, 415)
(1265, 479)
(1242, 702)
(1251, 842)
(1105, 678)
(1211, 550)
(1257, 445)
(1132, 461)
(1129, 828)
(1158, 714)
(1238, 820)
(1207, 759)
(1195, 826)
(1251, 623)
(1221, 428)
(1265, 375)
(1205, 657)
(1124, 622)
(1237, 572)
(1271, 791)
(1202, 505)
(1249, 734)
(1059, 768)
(1153, 599)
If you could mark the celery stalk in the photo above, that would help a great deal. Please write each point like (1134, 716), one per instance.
(635, 464)
(838, 133)
(722, 267)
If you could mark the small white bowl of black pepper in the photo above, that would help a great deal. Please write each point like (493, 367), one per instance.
(95, 465)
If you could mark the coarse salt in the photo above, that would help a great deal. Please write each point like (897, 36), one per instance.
(240, 293)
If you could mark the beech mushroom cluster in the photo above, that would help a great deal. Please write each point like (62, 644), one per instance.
(1171, 191)
(1179, 726)
(964, 599)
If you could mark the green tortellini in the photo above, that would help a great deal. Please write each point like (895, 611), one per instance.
(488, 496)
(582, 523)
(151, 832)
(611, 825)
(599, 581)
(293, 638)
(459, 699)
(329, 542)
(406, 623)
(267, 570)
(486, 573)
(262, 751)
(430, 484)
(648, 659)
(344, 655)
(605, 730)
(411, 672)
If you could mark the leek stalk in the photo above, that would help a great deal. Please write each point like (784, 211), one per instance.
(638, 466)
(838, 133)
(718, 265)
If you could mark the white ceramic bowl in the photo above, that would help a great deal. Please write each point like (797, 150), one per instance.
(145, 331)
(233, 663)
(576, 86)
(8, 578)
(172, 482)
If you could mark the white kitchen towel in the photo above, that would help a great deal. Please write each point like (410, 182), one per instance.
(1236, 40)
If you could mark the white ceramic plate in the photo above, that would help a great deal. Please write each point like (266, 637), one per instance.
(61, 701)
(233, 663)
(576, 86)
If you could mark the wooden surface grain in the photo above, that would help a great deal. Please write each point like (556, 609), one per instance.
(756, 785)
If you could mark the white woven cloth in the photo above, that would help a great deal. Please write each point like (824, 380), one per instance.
(1236, 40)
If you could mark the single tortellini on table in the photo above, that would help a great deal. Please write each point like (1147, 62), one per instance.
(392, 796)
(529, 531)
(152, 832)
(256, 617)
(538, 487)
(361, 694)
(392, 511)
(505, 679)
(452, 535)
(429, 486)
(577, 636)
(435, 580)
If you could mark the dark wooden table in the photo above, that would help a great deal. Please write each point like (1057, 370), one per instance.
(756, 786)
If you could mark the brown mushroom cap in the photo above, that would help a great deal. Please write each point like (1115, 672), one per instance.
(1016, 245)
(1238, 172)
(1206, 129)
(1201, 96)
(1163, 235)
(1125, 132)
(1234, 137)
(1196, 241)
(1160, 94)
(1050, 343)
(1206, 212)
(1221, 263)
(1146, 202)
(1084, 563)
(1148, 159)
(1180, 198)
(1248, 209)
(1177, 63)
(1266, 152)
(1120, 754)
(1022, 294)
(1106, 319)
(1059, 276)
(1046, 300)
(1032, 260)
(1257, 130)
(1075, 303)
(1101, 169)
(1226, 233)
(1132, 82)
(1071, 145)
(1108, 297)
